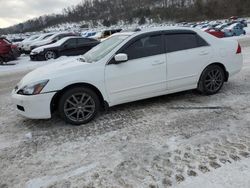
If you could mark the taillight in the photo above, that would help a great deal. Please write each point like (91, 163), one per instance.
(239, 49)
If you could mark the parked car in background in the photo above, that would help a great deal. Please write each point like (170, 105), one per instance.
(127, 67)
(52, 39)
(222, 26)
(106, 33)
(26, 41)
(27, 45)
(68, 46)
(15, 40)
(8, 51)
(243, 22)
(215, 32)
(233, 18)
(235, 29)
(89, 34)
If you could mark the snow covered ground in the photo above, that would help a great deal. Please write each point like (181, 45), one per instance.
(180, 140)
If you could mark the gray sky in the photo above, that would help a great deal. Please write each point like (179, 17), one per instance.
(16, 11)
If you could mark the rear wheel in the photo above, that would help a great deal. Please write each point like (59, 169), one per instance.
(212, 80)
(79, 105)
(50, 55)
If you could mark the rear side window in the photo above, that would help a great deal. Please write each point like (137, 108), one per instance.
(178, 42)
(145, 47)
(84, 41)
(71, 43)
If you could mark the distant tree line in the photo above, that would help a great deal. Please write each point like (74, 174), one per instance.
(109, 12)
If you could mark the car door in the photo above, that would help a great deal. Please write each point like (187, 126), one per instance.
(187, 54)
(68, 48)
(143, 75)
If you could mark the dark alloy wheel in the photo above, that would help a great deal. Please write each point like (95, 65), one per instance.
(50, 55)
(79, 105)
(212, 80)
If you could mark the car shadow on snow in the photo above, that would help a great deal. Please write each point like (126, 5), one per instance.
(119, 117)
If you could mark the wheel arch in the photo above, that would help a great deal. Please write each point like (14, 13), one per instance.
(57, 96)
(220, 65)
(52, 50)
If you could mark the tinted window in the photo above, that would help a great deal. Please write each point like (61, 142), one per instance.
(201, 41)
(144, 47)
(177, 42)
(84, 41)
(71, 43)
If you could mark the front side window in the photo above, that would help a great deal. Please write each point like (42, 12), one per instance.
(145, 47)
(178, 42)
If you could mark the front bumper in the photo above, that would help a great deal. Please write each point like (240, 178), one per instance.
(37, 57)
(33, 106)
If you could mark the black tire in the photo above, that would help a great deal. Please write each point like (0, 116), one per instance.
(1, 61)
(50, 55)
(71, 105)
(211, 80)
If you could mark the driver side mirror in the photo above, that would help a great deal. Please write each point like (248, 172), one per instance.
(120, 58)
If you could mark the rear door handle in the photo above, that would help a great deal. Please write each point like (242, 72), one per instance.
(158, 63)
(204, 53)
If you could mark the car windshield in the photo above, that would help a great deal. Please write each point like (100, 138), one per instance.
(103, 49)
(47, 36)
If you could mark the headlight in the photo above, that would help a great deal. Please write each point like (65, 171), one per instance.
(33, 89)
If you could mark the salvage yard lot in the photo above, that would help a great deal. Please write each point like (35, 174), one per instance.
(173, 140)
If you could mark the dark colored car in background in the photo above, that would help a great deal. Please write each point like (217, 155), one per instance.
(68, 46)
(8, 51)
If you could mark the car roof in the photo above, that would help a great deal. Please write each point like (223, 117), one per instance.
(157, 29)
(75, 37)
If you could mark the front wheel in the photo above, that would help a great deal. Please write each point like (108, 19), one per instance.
(212, 80)
(49, 55)
(79, 105)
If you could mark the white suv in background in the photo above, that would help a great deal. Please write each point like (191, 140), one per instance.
(128, 67)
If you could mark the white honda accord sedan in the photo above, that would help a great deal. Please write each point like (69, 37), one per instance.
(128, 67)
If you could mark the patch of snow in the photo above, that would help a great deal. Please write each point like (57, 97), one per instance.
(23, 64)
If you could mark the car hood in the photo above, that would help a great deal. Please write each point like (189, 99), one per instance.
(54, 70)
